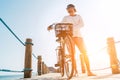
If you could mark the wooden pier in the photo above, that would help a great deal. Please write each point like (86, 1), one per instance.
(56, 76)
(113, 72)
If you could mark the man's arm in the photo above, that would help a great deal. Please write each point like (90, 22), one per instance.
(81, 23)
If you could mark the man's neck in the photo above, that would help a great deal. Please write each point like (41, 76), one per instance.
(72, 14)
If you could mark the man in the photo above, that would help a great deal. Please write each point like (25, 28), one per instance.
(77, 22)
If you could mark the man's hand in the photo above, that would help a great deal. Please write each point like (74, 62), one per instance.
(49, 28)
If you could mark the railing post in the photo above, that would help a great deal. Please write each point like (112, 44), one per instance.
(82, 63)
(47, 70)
(28, 59)
(43, 68)
(113, 56)
(39, 65)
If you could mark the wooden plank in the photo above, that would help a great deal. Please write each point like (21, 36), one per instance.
(56, 76)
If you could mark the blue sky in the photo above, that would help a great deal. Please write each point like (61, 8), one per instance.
(30, 18)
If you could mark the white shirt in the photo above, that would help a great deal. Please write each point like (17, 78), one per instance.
(77, 24)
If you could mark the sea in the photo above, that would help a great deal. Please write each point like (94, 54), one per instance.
(10, 77)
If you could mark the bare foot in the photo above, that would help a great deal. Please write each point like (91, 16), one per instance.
(91, 74)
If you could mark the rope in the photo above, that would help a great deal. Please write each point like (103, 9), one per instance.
(117, 42)
(27, 69)
(101, 69)
(106, 68)
(99, 51)
(7, 70)
(104, 48)
(29, 43)
(34, 56)
(12, 32)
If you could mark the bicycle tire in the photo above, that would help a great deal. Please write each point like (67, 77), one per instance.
(61, 57)
(69, 57)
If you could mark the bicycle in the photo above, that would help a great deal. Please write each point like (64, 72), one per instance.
(66, 51)
(60, 61)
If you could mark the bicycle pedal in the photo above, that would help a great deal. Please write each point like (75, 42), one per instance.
(57, 65)
(58, 40)
(67, 56)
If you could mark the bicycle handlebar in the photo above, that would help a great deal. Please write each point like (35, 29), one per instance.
(50, 27)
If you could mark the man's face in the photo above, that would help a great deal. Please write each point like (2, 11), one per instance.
(71, 10)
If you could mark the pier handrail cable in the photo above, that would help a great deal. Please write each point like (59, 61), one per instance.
(24, 44)
(13, 33)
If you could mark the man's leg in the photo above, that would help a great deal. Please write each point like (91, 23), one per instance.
(80, 44)
(82, 63)
(69, 49)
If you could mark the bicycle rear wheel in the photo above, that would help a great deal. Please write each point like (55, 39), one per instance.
(69, 50)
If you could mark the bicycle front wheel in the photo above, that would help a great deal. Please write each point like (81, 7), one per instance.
(69, 56)
(61, 58)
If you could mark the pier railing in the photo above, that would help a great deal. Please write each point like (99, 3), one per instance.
(114, 61)
(42, 67)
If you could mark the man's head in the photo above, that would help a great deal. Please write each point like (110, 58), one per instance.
(71, 9)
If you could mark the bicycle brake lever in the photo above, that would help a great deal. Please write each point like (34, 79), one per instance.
(50, 27)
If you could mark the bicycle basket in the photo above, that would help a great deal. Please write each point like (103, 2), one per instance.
(62, 29)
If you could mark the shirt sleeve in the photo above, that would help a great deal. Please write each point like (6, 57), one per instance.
(81, 23)
(64, 20)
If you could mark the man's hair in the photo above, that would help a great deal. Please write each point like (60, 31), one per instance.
(71, 6)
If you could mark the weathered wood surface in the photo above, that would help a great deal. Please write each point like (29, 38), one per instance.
(28, 59)
(56, 76)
